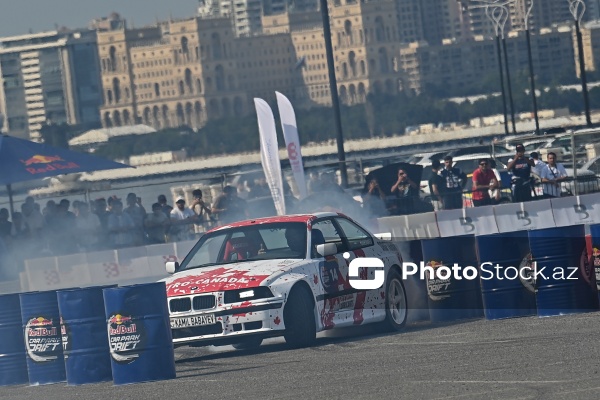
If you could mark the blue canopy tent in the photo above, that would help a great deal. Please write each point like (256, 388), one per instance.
(22, 160)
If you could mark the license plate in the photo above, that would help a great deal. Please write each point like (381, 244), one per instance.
(198, 320)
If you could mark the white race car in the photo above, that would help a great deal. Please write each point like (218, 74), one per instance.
(281, 276)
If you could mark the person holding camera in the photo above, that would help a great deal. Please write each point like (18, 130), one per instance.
(520, 166)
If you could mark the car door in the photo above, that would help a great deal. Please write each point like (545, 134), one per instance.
(338, 297)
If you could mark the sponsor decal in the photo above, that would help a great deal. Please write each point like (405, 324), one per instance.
(40, 164)
(585, 267)
(65, 334)
(42, 339)
(527, 269)
(125, 337)
(436, 286)
(330, 275)
(216, 280)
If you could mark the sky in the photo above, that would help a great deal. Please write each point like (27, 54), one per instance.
(20, 16)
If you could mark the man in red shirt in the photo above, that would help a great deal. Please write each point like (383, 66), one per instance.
(484, 179)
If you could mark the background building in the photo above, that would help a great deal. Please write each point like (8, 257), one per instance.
(49, 77)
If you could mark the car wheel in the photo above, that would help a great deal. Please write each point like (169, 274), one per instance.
(299, 319)
(396, 309)
(248, 343)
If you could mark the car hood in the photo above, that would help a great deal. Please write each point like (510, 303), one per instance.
(226, 277)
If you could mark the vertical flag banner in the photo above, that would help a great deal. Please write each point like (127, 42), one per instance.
(292, 141)
(269, 153)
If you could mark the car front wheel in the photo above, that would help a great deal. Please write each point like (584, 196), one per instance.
(298, 315)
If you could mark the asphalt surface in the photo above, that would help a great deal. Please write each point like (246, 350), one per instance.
(524, 358)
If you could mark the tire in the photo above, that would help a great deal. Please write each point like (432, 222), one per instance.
(396, 308)
(299, 319)
(249, 343)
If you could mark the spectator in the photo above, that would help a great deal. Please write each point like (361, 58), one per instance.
(19, 231)
(406, 191)
(34, 220)
(157, 224)
(49, 212)
(312, 186)
(455, 182)
(328, 183)
(138, 215)
(87, 226)
(228, 207)
(374, 200)
(495, 194)
(120, 226)
(200, 208)
(521, 170)
(67, 204)
(5, 225)
(162, 200)
(484, 179)
(436, 186)
(538, 165)
(103, 214)
(62, 238)
(181, 219)
(552, 175)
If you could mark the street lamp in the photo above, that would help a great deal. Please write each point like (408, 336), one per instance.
(531, 74)
(335, 101)
(577, 8)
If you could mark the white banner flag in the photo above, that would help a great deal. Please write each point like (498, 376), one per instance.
(292, 141)
(269, 153)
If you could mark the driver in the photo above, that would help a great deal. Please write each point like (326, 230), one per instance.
(296, 239)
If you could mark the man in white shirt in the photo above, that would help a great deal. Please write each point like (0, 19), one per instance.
(182, 218)
(538, 165)
(552, 175)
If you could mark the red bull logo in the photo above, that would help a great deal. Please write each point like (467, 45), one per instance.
(40, 321)
(39, 159)
(119, 319)
(596, 252)
(435, 264)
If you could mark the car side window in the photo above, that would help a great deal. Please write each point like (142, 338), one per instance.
(356, 237)
(330, 233)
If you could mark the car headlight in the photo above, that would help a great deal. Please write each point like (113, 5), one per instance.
(235, 296)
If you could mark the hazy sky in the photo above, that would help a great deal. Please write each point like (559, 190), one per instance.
(19, 16)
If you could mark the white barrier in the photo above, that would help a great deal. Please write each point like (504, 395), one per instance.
(123, 266)
(410, 227)
(467, 221)
(513, 217)
(575, 210)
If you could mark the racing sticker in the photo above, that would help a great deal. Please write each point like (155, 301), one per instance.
(43, 339)
(126, 338)
(437, 289)
(330, 275)
(65, 334)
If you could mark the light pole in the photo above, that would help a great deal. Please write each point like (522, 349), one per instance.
(496, 20)
(530, 58)
(335, 101)
(577, 8)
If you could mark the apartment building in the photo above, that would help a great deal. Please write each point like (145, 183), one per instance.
(48, 77)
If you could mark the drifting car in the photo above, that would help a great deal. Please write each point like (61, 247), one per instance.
(281, 276)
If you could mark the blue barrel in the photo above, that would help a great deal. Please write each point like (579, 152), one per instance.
(43, 341)
(13, 364)
(139, 333)
(565, 278)
(416, 288)
(84, 335)
(452, 299)
(506, 281)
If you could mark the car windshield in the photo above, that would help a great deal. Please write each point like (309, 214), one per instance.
(248, 243)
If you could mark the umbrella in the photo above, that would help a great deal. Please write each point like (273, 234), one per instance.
(22, 160)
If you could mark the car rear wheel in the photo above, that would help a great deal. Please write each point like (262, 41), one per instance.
(298, 316)
(248, 343)
(396, 309)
